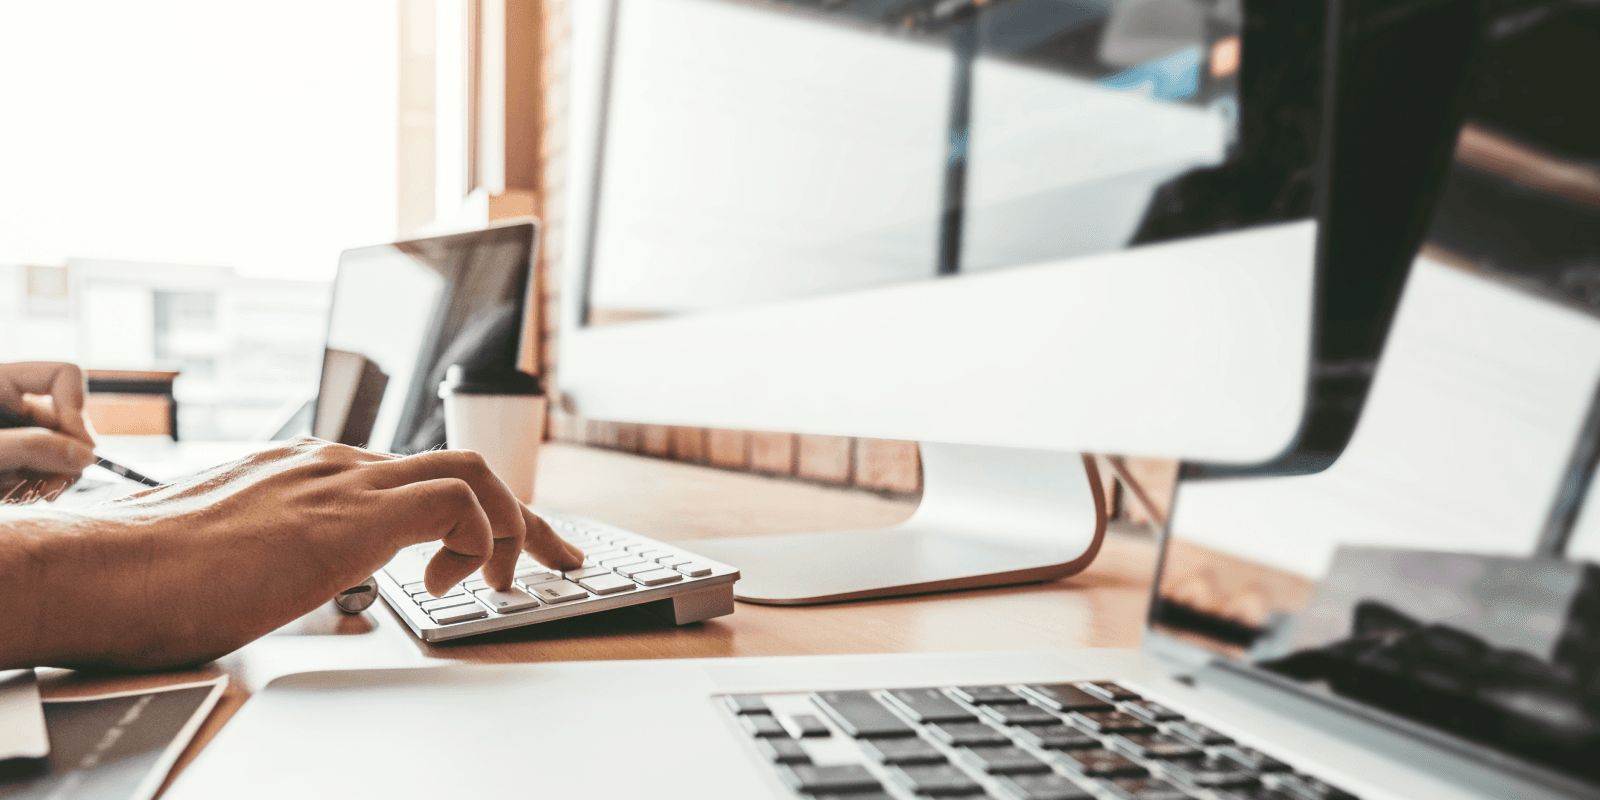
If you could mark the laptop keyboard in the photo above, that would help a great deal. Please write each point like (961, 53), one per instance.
(620, 568)
(1090, 740)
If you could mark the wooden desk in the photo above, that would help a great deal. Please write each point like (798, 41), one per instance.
(1102, 607)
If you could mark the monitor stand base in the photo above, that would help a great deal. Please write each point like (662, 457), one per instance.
(990, 516)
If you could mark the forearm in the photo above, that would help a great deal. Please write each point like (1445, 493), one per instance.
(71, 590)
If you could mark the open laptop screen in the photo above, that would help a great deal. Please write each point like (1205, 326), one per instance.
(1399, 577)
(402, 314)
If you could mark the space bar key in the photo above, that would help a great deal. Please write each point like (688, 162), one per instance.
(861, 715)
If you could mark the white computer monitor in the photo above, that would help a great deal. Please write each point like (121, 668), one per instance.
(1014, 236)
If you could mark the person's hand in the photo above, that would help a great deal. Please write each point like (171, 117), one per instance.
(50, 453)
(188, 572)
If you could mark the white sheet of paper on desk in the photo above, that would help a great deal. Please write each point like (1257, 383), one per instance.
(117, 746)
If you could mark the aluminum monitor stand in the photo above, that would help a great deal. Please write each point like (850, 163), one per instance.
(989, 516)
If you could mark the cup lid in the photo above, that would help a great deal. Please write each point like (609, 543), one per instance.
(458, 381)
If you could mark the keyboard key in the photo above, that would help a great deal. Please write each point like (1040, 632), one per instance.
(1066, 697)
(658, 577)
(415, 589)
(930, 705)
(803, 726)
(763, 725)
(1110, 690)
(852, 796)
(1042, 787)
(837, 778)
(475, 584)
(540, 577)
(1156, 745)
(509, 601)
(586, 572)
(1002, 760)
(936, 780)
(639, 548)
(558, 592)
(454, 592)
(1057, 737)
(783, 751)
(967, 734)
(457, 599)
(638, 569)
(1023, 715)
(1099, 762)
(1146, 789)
(622, 561)
(861, 715)
(450, 616)
(902, 751)
(657, 555)
(1195, 732)
(1254, 759)
(1151, 710)
(1213, 771)
(746, 704)
(1109, 721)
(987, 695)
(1305, 787)
(607, 584)
(692, 569)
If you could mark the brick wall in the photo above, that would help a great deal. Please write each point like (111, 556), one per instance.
(876, 464)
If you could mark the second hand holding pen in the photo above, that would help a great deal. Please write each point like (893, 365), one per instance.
(9, 419)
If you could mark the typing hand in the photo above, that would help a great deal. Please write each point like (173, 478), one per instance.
(188, 572)
(45, 442)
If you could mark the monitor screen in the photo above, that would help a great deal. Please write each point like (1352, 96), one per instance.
(405, 312)
(762, 152)
(1399, 577)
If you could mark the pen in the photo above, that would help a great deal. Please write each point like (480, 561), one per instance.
(9, 419)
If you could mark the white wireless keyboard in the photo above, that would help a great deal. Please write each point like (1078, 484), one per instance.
(620, 568)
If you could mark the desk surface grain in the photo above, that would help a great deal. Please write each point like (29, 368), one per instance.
(1101, 607)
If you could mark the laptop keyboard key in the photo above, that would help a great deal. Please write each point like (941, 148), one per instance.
(1057, 737)
(762, 725)
(692, 569)
(607, 584)
(540, 577)
(967, 734)
(1195, 732)
(1002, 760)
(1110, 690)
(987, 695)
(842, 778)
(1254, 759)
(804, 726)
(658, 577)
(558, 591)
(1096, 763)
(940, 780)
(1213, 771)
(1023, 715)
(1151, 710)
(1109, 721)
(930, 705)
(902, 751)
(746, 704)
(1066, 697)
(1042, 787)
(1157, 745)
(1146, 789)
(861, 715)
(783, 751)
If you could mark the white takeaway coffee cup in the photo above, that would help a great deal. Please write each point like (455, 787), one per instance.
(500, 416)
